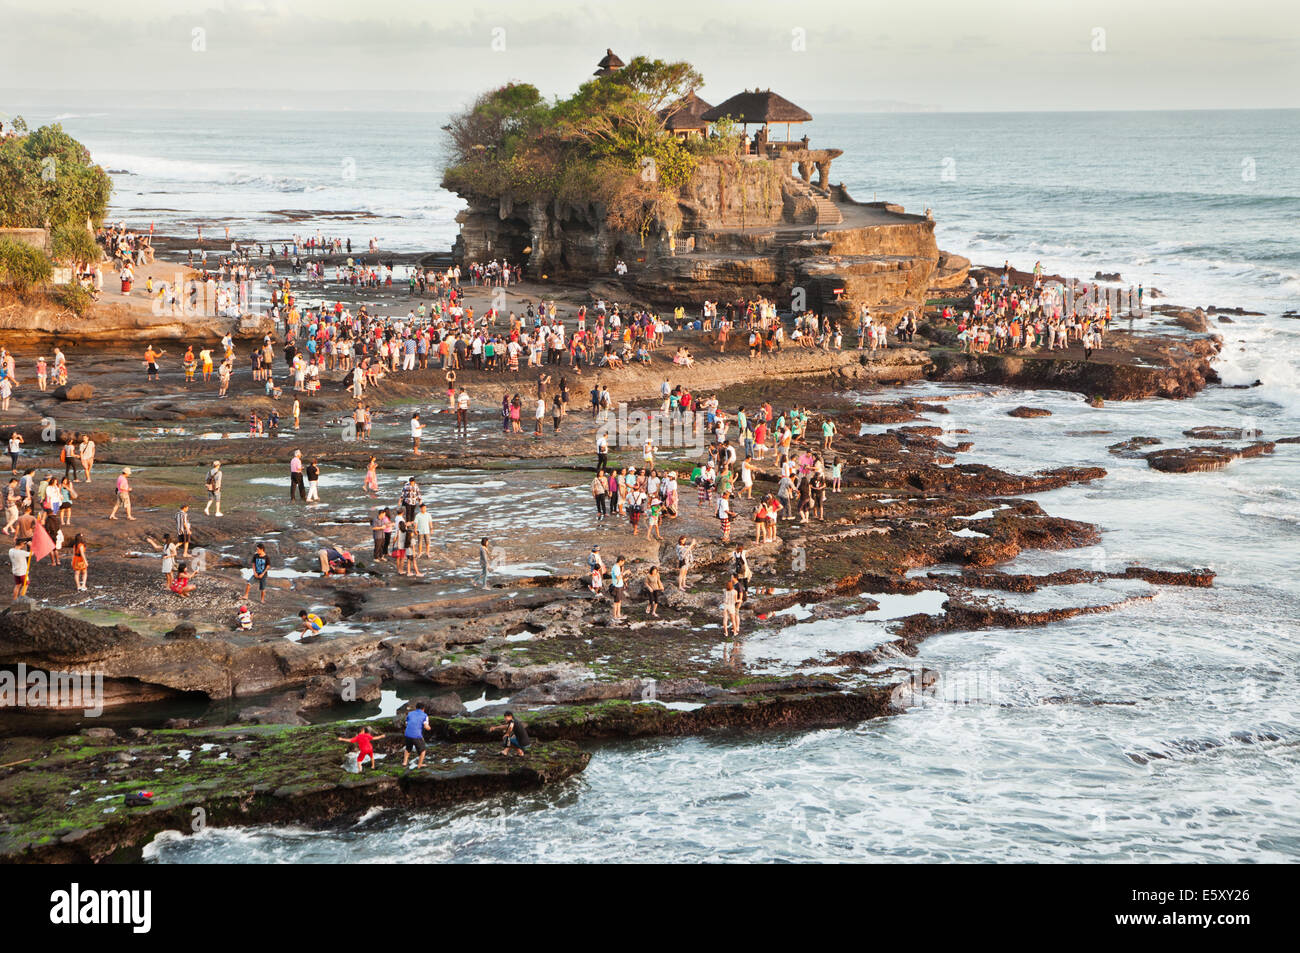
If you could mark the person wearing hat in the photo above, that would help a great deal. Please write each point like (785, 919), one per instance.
(212, 483)
(123, 495)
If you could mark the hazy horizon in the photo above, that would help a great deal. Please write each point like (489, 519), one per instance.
(1007, 56)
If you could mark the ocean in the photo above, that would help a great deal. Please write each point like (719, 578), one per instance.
(1166, 730)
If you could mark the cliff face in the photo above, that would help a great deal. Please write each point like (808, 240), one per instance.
(741, 229)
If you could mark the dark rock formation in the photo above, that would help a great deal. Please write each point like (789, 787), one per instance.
(1202, 459)
(1131, 449)
(741, 230)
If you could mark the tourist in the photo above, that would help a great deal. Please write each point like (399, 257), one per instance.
(741, 570)
(184, 533)
(654, 588)
(335, 562)
(600, 492)
(296, 484)
(68, 455)
(685, 557)
(261, 571)
(311, 623)
(123, 494)
(151, 363)
(417, 723)
(20, 558)
(462, 413)
(80, 565)
(724, 515)
(484, 562)
(365, 743)
(596, 570)
(616, 585)
(423, 530)
(168, 550)
(411, 498)
(312, 473)
(515, 734)
(730, 609)
(382, 529)
(417, 431)
(183, 584)
(86, 454)
(15, 450)
(212, 483)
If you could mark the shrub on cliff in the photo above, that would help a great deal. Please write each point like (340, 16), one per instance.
(47, 180)
(74, 244)
(22, 266)
(74, 297)
(605, 145)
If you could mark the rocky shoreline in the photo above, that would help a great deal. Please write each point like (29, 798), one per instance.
(913, 522)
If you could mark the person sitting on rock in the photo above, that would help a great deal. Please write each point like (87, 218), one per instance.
(183, 584)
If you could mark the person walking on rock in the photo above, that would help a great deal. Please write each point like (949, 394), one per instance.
(212, 483)
(123, 495)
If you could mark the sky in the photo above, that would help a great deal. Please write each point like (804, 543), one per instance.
(952, 55)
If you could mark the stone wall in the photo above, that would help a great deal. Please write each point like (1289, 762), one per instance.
(36, 237)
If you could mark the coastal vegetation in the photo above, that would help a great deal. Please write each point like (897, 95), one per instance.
(48, 181)
(605, 145)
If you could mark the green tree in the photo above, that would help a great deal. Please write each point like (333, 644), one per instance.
(74, 244)
(47, 179)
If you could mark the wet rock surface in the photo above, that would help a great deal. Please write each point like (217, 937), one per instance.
(535, 639)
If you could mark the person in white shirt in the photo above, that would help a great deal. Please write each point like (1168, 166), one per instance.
(20, 557)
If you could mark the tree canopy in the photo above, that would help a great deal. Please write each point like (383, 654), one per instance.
(47, 179)
(605, 144)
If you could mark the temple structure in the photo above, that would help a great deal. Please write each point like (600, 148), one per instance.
(609, 63)
(768, 223)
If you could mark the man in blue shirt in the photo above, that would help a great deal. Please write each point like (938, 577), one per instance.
(261, 569)
(417, 723)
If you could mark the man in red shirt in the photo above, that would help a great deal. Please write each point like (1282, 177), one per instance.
(364, 741)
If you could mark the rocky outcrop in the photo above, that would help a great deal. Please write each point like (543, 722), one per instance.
(64, 802)
(116, 323)
(740, 230)
(1203, 459)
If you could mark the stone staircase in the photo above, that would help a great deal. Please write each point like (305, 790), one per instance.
(827, 213)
